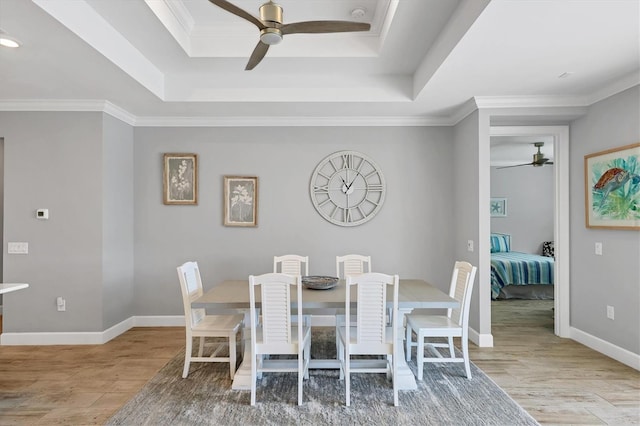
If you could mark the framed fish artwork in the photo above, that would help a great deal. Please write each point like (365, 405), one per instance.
(612, 188)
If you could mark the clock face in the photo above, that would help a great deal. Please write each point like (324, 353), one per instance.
(347, 188)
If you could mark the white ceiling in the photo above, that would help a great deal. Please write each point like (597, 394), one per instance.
(181, 62)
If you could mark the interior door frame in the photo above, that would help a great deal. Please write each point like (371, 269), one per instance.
(561, 215)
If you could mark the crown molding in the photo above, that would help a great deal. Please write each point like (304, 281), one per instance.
(68, 105)
(616, 87)
(530, 101)
(563, 105)
(385, 121)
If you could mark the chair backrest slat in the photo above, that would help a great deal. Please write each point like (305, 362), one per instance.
(276, 313)
(191, 288)
(352, 264)
(275, 291)
(371, 304)
(461, 288)
(291, 264)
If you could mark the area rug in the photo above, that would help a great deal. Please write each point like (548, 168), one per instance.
(444, 397)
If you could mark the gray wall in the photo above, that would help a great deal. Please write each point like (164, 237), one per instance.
(466, 193)
(1, 200)
(613, 278)
(1, 205)
(54, 161)
(529, 192)
(411, 235)
(117, 223)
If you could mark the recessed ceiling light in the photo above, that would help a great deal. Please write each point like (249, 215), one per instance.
(8, 41)
(566, 74)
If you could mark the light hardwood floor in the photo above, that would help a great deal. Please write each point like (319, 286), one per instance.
(557, 381)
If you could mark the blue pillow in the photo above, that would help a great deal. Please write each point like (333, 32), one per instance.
(499, 243)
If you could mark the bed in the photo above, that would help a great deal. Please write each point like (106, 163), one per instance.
(519, 275)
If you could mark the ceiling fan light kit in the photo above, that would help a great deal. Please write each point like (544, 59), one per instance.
(270, 36)
(272, 29)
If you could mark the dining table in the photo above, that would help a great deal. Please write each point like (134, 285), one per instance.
(412, 294)
(9, 287)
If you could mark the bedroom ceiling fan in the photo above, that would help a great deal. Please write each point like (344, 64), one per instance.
(272, 29)
(539, 159)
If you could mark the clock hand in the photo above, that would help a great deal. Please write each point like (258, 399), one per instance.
(345, 187)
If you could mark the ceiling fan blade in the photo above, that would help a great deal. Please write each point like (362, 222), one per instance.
(324, 27)
(239, 12)
(517, 165)
(257, 55)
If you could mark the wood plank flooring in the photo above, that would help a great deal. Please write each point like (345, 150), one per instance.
(557, 381)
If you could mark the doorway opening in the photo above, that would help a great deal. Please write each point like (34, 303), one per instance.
(542, 190)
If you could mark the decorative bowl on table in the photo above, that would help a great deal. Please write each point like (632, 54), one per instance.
(317, 282)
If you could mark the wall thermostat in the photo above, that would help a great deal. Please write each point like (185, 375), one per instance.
(42, 213)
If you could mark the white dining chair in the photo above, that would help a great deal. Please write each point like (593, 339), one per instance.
(291, 264)
(199, 324)
(371, 334)
(454, 324)
(351, 264)
(277, 334)
(294, 265)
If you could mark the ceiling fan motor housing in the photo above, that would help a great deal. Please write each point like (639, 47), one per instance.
(271, 16)
(271, 12)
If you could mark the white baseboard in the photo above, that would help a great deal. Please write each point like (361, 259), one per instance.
(612, 351)
(89, 337)
(159, 321)
(482, 340)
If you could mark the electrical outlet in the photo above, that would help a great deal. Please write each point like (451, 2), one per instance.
(610, 312)
(599, 249)
(61, 303)
(469, 245)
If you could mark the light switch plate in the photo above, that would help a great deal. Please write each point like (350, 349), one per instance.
(18, 248)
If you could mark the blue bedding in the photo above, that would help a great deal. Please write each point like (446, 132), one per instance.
(515, 268)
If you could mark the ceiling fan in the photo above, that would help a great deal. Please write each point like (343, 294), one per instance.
(272, 29)
(539, 159)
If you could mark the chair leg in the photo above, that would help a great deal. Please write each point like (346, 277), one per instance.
(347, 379)
(307, 358)
(452, 350)
(408, 343)
(232, 355)
(301, 374)
(420, 355)
(395, 382)
(254, 378)
(187, 357)
(465, 355)
(201, 347)
(341, 358)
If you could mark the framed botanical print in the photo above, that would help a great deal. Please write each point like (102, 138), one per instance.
(240, 201)
(612, 188)
(180, 179)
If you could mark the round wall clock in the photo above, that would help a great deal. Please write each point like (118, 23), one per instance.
(347, 188)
